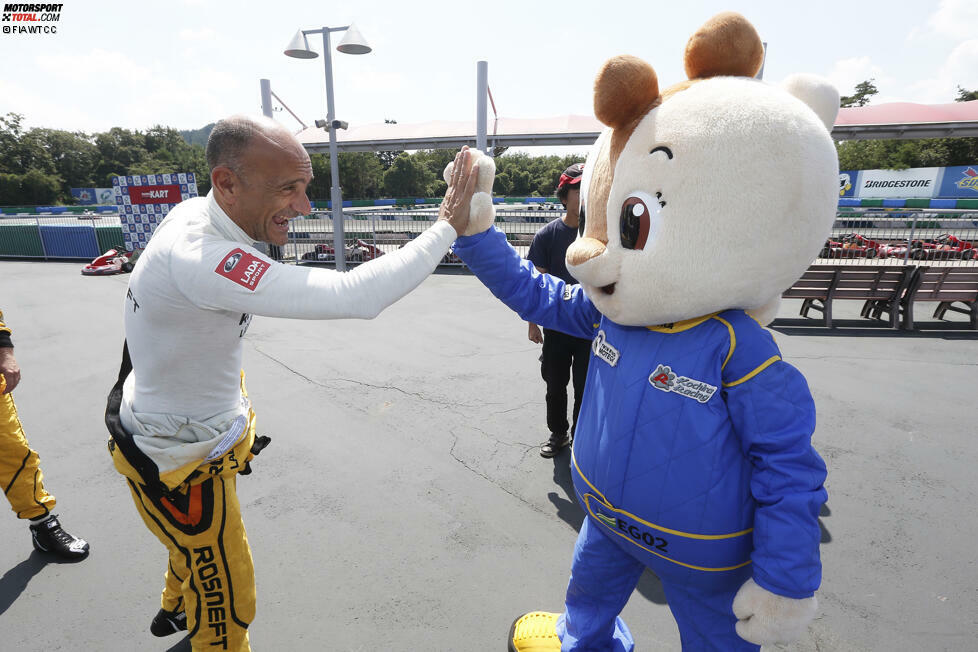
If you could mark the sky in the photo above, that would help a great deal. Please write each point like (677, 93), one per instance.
(186, 63)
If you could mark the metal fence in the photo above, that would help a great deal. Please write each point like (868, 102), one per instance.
(65, 236)
(859, 236)
(371, 233)
(875, 236)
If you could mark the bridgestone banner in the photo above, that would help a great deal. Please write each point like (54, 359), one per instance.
(904, 184)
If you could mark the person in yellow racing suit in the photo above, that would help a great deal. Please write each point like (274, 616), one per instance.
(20, 468)
(181, 421)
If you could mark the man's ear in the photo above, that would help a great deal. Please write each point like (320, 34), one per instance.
(224, 182)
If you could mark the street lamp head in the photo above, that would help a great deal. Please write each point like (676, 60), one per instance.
(353, 42)
(298, 47)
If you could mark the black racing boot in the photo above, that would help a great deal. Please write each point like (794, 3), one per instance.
(168, 622)
(49, 536)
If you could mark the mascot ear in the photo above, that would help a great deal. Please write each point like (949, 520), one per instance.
(726, 45)
(625, 89)
(820, 95)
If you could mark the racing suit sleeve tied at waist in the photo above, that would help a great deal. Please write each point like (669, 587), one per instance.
(164, 451)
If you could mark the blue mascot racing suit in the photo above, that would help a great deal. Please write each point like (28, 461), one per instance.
(693, 457)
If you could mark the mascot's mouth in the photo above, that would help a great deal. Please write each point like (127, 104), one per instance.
(608, 289)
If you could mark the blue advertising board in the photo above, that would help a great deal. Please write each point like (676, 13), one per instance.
(960, 181)
(84, 196)
(847, 183)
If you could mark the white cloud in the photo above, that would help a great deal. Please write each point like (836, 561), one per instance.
(97, 62)
(956, 19)
(42, 112)
(959, 69)
(202, 34)
(846, 73)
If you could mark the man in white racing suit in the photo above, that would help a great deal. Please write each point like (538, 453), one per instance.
(181, 423)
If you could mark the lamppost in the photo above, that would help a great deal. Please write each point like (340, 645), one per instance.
(352, 43)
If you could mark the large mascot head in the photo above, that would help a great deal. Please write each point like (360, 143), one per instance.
(715, 193)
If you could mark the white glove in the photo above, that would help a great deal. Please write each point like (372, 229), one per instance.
(481, 211)
(764, 618)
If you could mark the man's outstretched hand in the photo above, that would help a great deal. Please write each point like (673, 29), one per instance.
(461, 187)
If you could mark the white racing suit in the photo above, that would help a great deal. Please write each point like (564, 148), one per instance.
(181, 423)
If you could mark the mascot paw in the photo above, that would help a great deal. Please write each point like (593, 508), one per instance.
(481, 211)
(534, 632)
(765, 618)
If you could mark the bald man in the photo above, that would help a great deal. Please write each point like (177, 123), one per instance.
(181, 423)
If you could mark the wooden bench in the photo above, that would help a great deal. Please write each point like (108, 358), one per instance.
(945, 285)
(875, 285)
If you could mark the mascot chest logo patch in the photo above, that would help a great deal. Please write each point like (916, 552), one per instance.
(242, 268)
(664, 379)
(603, 349)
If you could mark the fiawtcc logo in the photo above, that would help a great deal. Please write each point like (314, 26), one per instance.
(28, 16)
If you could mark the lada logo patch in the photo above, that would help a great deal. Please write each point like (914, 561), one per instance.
(603, 349)
(242, 268)
(665, 379)
(231, 262)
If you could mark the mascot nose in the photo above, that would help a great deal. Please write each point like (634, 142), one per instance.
(583, 250)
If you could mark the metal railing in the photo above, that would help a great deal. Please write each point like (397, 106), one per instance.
(876, 236)
(65, 236)
(859, 236)
(371, 233)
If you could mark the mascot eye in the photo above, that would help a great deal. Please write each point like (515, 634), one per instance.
(580, 219)
(637, 213)
(664, 150)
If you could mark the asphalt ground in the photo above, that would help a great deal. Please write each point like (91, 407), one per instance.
(403, 504)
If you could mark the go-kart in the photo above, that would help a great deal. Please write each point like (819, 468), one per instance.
(948, 247)
(358, 252)
(111, 262)
(850, 245)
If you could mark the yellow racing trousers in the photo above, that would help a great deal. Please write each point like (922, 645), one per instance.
(20, 470)
(210, 574)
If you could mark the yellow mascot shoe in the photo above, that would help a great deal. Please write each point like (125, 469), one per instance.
(534, 632)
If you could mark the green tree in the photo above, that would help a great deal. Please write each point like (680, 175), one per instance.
(521, 181)
(32, 187)
(319, 188)
(966, 96)
(361, 175)
(73, 155)
(407, 177)
(120, 150)
(10, 135)
(864, 91)
(912, 153)
(502, 185)
(387, 157)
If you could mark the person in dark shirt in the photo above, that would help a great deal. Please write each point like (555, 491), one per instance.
(562, 354)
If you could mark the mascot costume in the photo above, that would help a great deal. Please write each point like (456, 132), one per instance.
(700, 205)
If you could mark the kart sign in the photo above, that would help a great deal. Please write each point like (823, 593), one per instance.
(144, 200)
